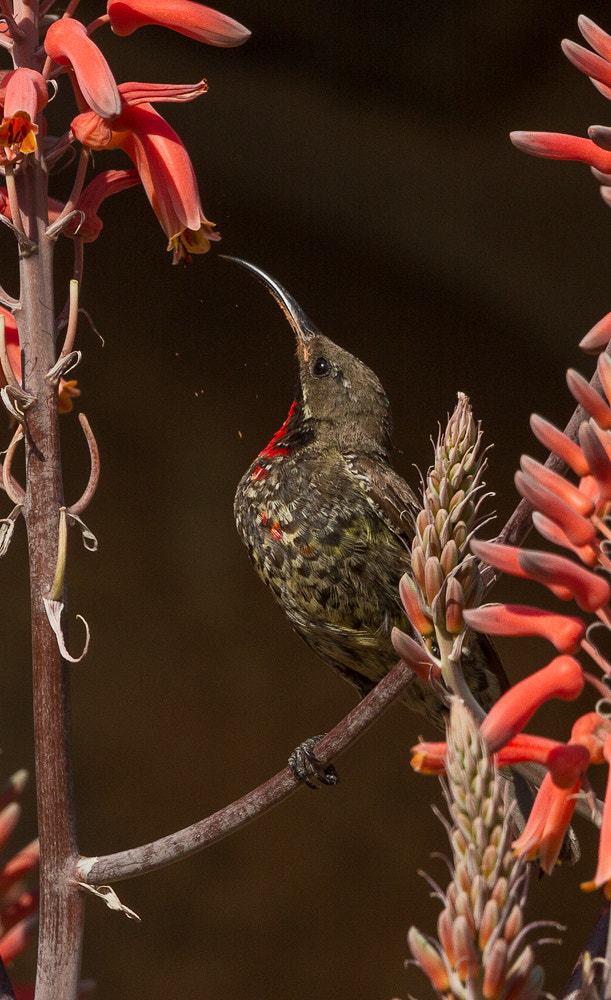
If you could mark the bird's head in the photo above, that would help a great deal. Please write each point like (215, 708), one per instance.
(341, 399)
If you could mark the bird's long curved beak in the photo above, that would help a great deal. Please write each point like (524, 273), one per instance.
(302, 325)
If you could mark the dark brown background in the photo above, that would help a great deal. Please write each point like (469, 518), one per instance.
(359, 153)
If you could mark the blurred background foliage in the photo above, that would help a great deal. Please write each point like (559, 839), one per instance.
(359, 153)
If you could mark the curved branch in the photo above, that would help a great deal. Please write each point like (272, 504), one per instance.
(139, 860)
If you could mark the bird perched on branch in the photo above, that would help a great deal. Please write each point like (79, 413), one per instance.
(328, 522)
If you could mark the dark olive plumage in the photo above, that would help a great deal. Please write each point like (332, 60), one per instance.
(328, 522)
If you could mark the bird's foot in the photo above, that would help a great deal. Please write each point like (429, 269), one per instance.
(305, 765)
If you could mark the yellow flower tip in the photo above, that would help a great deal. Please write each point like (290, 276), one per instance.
(522, 852)
(592, 885)
(189, 241)
(67, 393)
(588, 886)
(18, 135)
(429, 758)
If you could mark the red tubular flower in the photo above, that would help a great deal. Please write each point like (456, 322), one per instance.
(527, 747)
(558, 484)
(502, 557)
(165, 170)
(591, 730)
(18, 938)
(557, 146)
(23, 907)
(152, 93)
(602, 878)
(598, 337)
(567, 763)
(566, 579)
(23, 90)
(429, 758)
(578, 529)
(22, 864)
(18, 907)
(509, 559)
(549, 529)
(557, 442)
(562, 678)
(597, 458)
(23, 94)
(11, 336)
(88, 226)
(592, 401)
(564, 632)
(597, 38)
(547, 824)
(68, 44)
(184, 16)
(588, 62)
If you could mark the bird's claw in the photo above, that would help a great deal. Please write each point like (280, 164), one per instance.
(305, 765)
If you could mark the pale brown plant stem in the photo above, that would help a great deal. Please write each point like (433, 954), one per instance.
(61, 904)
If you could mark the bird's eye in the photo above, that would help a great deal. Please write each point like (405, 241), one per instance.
(321, 367)
(433, 646)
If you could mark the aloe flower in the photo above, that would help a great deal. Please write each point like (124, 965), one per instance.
(548, 823)
(594, 150)
(602, 877)
(120, 116)
(18, 902)
(23, 94)
(444, 577)
(552, 812)
(188, 18)
(68, 44)
(164, 168)
(480, 948)
(502, 728)
(88, 225)
(564, 632)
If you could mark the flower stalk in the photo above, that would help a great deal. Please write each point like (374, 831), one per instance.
(481, 949)
(43, 51)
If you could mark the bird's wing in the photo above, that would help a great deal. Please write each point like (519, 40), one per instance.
(388, 494)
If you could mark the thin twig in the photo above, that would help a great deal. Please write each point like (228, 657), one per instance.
(138, 860)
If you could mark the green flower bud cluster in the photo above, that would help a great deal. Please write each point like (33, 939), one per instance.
(480, 951)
